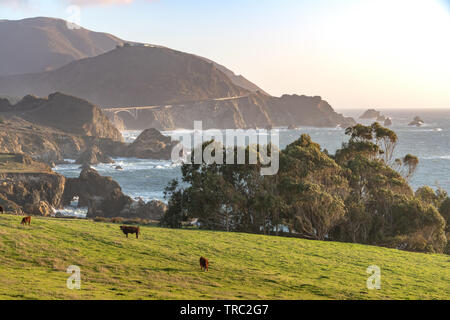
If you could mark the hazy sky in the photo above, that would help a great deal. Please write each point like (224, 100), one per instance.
(353, 53)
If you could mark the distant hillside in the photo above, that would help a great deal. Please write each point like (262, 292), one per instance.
(182, 87)
(238, 80)
(134, 75)
(43, 44)
(40, 44)
(163, 264)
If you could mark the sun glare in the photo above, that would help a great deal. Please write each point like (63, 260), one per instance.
(402, 43)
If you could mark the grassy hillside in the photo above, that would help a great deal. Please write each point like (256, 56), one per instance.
(163, 264)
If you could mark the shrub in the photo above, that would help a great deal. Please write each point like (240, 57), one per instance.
(419, 225)
(117, 220)
(445, 213)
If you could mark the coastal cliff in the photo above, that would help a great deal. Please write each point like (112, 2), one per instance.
(64, 127)
(27, 186)
(62, 112)
(251, 111)
(104, 198)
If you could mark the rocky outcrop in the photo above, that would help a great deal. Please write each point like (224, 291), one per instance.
(63, 127)
(104, 198)
(53, 146)
(31, 193)
(304, 111)
(88, 186)
(378, 116)
(252, 111)
(151, 144)
(66, 114)
(5, 105)
(93, 156)
(55, 128)
(371, 114)
(41, 143)
(418, 122)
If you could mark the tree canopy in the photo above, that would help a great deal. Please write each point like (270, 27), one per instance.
(360, 194)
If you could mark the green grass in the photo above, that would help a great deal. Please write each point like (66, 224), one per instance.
(163, 264)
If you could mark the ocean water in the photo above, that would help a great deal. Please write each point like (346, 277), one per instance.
(147, 179)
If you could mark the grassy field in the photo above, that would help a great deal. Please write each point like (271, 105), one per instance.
(9, 164)
(163, 264)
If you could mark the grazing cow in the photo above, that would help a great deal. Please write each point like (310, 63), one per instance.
(126, 230)
(204, 264)
(26, 220)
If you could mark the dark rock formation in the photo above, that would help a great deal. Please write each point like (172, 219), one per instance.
(30, 190)
(67, 114)
(93, 156)
(151, 144)
(53, 146)
(5, 105)
(104, 198)
(417, 122)
(371, 114)
(19, 136)
(55, 128)
(90, 185)
(30, 187)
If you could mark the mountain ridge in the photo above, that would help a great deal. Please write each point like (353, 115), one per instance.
(53, 44)
(129, 75)
(184, 87)
(57, 45)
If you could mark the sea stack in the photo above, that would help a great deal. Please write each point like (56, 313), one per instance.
(418, 122)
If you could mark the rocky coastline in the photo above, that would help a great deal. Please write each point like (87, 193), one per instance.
(34, 189)
(64, 127)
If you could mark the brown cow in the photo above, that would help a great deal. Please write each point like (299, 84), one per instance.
(2, 210)
(26, 220)
(204, 264)
(126, 230)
